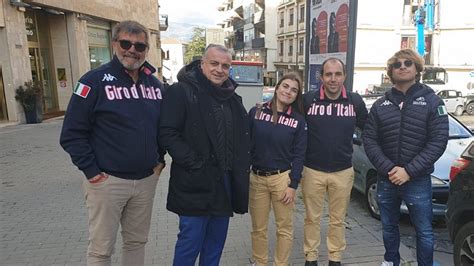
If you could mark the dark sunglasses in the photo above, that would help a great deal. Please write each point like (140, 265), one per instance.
(139, 46)
(398, 64)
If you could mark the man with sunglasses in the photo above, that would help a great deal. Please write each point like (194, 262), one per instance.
(205, 129)
(406, 132)
(111, 133)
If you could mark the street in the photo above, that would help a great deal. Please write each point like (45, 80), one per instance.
(44, 221)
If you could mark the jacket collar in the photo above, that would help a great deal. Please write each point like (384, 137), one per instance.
(268, 106)
(146, 69)
(322, 95)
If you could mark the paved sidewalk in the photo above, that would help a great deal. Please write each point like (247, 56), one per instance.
(43, 219)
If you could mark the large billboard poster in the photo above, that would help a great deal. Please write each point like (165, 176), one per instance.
(328, 35)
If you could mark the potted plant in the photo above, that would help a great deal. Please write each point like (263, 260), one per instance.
(29, 96)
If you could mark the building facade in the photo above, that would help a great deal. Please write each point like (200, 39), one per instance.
(173, 59)
(250, 30)
(290, 21)
(449, 45)
(214, 36)
(55, 42)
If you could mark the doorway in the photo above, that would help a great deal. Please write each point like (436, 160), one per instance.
(40, 73)
(37, 25)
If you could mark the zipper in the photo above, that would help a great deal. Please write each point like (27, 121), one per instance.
(400, 133)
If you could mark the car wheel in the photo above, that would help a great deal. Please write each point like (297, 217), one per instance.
(371, 197)
(459, 110)
(464, 245)
(470, 108)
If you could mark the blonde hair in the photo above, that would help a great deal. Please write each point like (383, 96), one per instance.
(408, 54)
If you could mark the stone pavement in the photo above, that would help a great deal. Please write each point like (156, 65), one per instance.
(43, 219)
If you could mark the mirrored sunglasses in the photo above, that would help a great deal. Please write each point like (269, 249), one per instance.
(407, 63)
(139, 46)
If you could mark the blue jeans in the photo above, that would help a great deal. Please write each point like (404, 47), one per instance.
(417, 194)
(200, 235)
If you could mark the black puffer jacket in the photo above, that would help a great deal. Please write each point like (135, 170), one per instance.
(413, 136)
(188, 131)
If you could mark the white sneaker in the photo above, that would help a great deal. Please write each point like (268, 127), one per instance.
(386, 263)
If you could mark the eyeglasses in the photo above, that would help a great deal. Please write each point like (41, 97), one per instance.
(398, 64)
(139, 46)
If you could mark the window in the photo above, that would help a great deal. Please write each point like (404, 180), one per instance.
(281, 47)
(292, 16)
(410, 42)
(301, 47)
(282, 19)
(302, 14)
(290, 47)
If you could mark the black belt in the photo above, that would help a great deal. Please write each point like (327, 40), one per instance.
(268, 173)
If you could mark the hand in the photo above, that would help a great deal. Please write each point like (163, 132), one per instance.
(398, 176)
(99, 178)
(288, 196)
(157, 170)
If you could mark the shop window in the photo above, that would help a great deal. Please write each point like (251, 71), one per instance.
(99, 46)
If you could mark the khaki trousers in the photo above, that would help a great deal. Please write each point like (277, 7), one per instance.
(266, 192)
(119, 201)
(315, 185)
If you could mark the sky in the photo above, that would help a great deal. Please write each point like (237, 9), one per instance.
(197, 12)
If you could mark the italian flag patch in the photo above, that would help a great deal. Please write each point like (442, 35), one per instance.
(442, 110)
(82, 90)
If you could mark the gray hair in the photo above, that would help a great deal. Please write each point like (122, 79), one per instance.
(129, 26)
(219, 47)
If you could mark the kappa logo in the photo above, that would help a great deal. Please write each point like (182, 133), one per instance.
(386, 103)
(108, 77)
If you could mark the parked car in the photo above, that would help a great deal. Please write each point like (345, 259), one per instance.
(453, 100)
(365, 179)
(469, 104)
(460, 212)
(267, 93)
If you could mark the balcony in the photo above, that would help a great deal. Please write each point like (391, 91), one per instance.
(258, 43)
(238, 24)
(239, 45)
(163, 22)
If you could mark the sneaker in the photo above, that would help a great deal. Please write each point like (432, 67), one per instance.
(386, 263)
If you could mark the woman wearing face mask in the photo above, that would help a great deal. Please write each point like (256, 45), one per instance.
(278, 135)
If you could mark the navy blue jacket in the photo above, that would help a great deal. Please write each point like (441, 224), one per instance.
(278, 146)
(409, 131)
(113, 126)
(331, 125)
(189, 132)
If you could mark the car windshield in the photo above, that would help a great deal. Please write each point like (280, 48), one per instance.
(456, 130)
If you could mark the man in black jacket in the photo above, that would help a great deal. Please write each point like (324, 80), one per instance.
(206, 132)
(332, 114)
(111, 132)
(407, 131)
